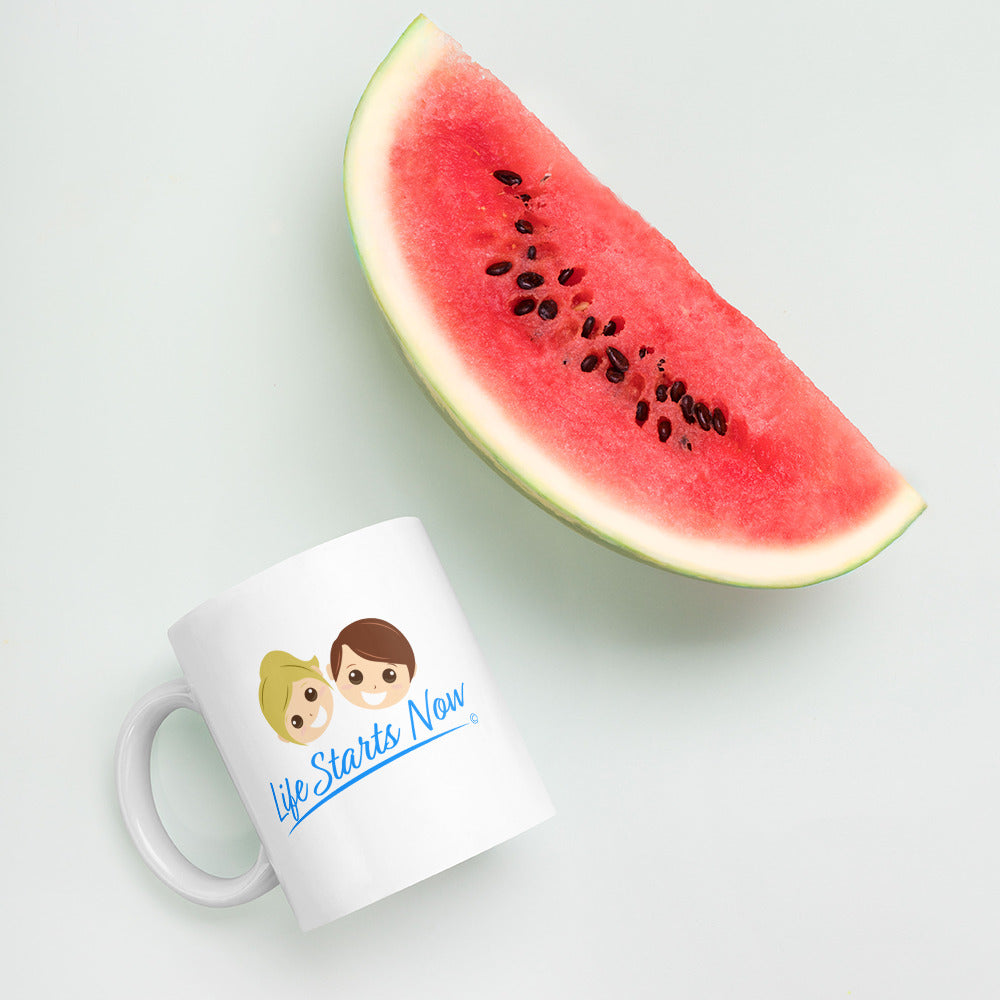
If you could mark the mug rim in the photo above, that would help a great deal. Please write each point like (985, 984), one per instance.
(233, 591)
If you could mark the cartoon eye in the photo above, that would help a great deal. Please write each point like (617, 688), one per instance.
(388, 675)
(311, 694)
(355, 677)
(296, 721)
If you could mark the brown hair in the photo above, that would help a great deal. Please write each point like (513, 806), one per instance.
(373, 639)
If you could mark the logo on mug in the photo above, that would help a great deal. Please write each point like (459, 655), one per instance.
(372, 666)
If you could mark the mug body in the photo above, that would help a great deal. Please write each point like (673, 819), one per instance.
(354, 712)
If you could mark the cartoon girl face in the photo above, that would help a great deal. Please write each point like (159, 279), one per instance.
(309, 709)
(296, 699)
(371, 683)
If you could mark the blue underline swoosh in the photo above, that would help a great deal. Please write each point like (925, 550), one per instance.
(371, 770)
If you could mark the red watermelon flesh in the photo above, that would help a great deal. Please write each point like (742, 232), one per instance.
(691, 441)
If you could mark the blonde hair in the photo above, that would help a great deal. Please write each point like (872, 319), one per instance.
(278, 672)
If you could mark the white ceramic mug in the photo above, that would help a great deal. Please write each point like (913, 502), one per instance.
(357, 719)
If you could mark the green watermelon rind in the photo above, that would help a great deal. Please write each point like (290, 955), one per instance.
(440, 372)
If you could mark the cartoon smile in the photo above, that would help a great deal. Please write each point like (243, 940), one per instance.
(374, 697)
(320, 719)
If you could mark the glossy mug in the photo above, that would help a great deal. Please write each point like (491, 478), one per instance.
(357, 719)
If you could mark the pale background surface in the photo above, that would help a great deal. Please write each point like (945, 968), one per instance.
(788, 794)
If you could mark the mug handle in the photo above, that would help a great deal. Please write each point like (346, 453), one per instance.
(135, 796)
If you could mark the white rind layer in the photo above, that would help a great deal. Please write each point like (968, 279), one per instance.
(482, 421)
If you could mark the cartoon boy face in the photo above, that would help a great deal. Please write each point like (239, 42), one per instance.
(309, 708)
(371, 683)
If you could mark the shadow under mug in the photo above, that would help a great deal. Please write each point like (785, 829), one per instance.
(357, 719)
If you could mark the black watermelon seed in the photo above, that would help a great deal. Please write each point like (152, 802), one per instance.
(525, 198)
(609, 330)
(589, 363)
(617, 359)
(687, 408)
(703, 415)
(677, 389)
(588, 327)
(565, 274)
(663, 428)
(642, 352)
(547, 308)
(685, 443)
(524, 306)
(719, 421)
(641, 412)
(529, 279)
(507, 177)
(661, 393)
(531, 253)
(615, 375)
(523, 226)
(500, 267)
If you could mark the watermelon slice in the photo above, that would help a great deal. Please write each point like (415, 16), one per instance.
(582, 355)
